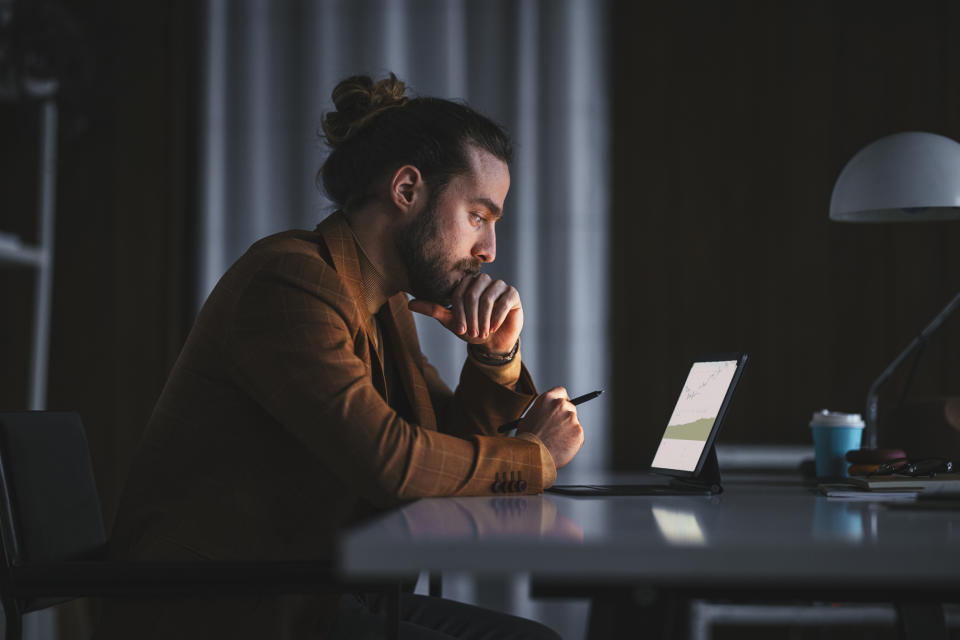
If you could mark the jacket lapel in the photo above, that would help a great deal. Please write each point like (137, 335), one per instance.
(398, 325)
(402, 332)
(342, 245)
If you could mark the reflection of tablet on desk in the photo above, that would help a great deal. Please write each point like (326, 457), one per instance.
(685, 461)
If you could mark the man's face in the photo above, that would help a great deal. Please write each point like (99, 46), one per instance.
(454, 233)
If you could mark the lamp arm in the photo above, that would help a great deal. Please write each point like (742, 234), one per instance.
(915, 344)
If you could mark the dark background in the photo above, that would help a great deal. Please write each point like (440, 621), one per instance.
(730, 123)
(125, 217)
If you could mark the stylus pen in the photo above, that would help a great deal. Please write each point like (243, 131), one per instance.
(575, 401)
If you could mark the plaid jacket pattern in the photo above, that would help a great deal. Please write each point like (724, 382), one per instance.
(274, 432)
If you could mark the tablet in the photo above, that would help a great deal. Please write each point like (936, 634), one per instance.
(698, 414)
(686, 450)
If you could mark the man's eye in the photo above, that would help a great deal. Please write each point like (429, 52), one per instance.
(477, 219)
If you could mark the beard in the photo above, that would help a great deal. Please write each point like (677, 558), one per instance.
(431, 275)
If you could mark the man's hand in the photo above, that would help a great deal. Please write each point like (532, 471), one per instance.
(483, 311)
(553, 419)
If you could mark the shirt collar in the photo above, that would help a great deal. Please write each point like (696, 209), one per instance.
(373, 286)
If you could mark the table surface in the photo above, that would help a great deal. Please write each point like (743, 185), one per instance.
(761, 530)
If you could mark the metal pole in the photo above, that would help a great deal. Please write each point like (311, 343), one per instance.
(45, 236)
(872, 411)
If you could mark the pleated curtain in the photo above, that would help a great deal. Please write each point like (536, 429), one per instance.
(536, 66)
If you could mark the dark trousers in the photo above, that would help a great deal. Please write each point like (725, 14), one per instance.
(428, 618)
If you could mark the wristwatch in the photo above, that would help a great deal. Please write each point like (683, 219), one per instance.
(493, 359)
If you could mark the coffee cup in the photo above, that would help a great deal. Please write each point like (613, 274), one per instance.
(834, 433)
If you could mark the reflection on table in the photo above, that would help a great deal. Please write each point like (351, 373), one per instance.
(534, 517)
(758, 531)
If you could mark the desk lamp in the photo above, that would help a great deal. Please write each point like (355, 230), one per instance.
(904, 177)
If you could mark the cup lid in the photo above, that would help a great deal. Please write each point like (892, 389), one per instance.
(825, 418)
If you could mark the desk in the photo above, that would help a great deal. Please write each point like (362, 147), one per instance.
(764, 537)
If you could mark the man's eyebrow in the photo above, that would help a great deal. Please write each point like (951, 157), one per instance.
(490, 205)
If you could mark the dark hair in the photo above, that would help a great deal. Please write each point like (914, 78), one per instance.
(376, 129)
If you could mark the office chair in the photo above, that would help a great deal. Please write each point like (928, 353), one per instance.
(54, 545)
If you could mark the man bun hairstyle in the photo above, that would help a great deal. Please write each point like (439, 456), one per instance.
(376, 129)
(359, 99)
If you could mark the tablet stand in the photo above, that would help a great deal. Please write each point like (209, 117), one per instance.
(707, 480)
(705, 483)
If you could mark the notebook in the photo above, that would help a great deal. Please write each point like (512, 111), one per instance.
(685, 462)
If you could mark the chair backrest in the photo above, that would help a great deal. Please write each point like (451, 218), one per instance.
(49, 509)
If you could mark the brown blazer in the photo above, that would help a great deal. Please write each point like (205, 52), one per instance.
(274, 430)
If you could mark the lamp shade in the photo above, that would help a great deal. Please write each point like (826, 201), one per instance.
(904, 177)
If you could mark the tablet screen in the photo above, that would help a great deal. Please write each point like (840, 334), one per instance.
(694, 415)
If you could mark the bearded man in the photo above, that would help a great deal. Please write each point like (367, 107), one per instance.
(301, 402)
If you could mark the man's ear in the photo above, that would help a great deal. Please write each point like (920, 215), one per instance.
(406, 187)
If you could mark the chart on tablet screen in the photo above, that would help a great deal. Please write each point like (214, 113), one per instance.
(694, 414)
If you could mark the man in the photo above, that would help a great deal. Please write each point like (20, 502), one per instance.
(301, 402)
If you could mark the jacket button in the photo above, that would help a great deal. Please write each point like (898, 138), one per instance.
(497, 485)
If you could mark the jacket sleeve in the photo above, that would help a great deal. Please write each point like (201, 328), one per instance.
(480, 404)
(293, 345)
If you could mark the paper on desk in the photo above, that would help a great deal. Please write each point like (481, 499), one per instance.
(941, 483)
(847, 492)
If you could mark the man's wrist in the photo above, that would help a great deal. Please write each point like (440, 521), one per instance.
(483, 356)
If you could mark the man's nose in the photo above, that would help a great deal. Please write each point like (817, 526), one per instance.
(486, 249)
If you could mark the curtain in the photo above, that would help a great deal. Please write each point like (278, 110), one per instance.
(536, 66)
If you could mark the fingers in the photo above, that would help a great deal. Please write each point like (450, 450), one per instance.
(479, 306)
(553, 418)
(558, 401)
(564, 406)
(484, 303)
(505, 303)
(440, 313)
(471, 303)
(459, 320)
(557, 392)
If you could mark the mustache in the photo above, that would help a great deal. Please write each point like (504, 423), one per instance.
(472, 267)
